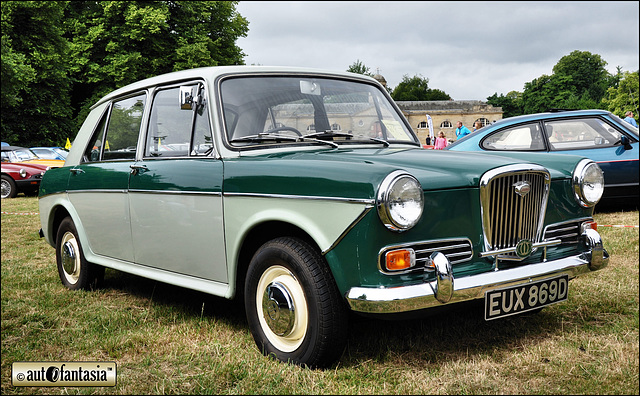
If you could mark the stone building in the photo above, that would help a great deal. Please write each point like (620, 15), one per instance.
(445, 114)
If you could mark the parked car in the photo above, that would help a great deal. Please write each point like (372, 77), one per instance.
(272, 184)
(57, 153)
(21, 178)
(23, 155)
(596, 134)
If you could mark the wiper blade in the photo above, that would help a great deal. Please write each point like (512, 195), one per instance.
(332, 144)
(260, 137)
(349, 136)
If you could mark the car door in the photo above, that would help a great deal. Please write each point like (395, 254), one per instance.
(98, 186)
(598, 140)
(175, 190)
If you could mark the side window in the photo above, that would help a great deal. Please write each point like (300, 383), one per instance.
(520, 138)
(580, 134)
(123, 128)
(170, 126)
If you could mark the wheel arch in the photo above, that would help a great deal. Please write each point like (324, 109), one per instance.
(256, 237)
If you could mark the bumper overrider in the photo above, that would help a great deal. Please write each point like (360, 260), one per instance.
(446, 290)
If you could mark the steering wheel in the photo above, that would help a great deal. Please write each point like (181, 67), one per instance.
(284, 128)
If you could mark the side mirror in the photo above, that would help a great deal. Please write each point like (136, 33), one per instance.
(625, 142)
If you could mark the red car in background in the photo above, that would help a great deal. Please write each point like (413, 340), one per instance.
(21, 178)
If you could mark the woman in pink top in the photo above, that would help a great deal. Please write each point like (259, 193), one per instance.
(441, 142)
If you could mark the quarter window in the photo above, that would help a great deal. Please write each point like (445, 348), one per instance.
(93, 152)
(519, 138)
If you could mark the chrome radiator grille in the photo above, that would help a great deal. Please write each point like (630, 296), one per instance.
(513, 203)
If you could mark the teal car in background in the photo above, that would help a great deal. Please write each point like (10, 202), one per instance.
(306, 194)
(596, 134)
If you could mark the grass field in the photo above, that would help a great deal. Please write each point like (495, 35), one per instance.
(169, 340)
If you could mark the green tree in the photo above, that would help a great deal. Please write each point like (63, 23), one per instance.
(35, 83)
(511, 103)
(588, 74)
(360, 68)
(59, 57)
(417, 88)
(579, 81)
(114, 43)
(624, 97)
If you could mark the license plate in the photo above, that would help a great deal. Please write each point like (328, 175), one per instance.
(522, 298)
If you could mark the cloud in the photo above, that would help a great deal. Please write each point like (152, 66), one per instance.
(470, 50)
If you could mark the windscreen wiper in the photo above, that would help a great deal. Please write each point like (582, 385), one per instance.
(261, 137)
(349, 136)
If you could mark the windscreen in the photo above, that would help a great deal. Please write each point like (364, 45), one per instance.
(301, 107)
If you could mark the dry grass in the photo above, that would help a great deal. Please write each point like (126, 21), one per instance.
(170, 340)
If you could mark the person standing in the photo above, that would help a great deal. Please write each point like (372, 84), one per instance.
(441, 142)
(629, 118)
(461, 130)
(477, 126)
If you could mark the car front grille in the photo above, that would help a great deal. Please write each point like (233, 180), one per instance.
(567, 232)
(513, 201)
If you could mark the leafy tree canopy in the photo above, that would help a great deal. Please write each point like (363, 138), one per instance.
(58, 58)
(417, 88)
(624, 97)
(360, 68)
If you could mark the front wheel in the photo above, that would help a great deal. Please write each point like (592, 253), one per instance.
(9, 189)
(294, 309)
(74, 270)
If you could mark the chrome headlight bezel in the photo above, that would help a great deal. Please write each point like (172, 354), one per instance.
(23, 173)
(588, 183)
(400, 201)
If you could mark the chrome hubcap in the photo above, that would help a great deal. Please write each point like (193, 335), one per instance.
(282, 308)
(278, 309)
(68, 258)
(6, 189)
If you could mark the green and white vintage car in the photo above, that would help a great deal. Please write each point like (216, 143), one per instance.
(306, 193)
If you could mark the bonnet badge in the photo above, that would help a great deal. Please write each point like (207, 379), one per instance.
(522, 188)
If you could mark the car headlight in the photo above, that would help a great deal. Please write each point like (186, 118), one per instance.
(588, 183)
(22, 173)
(400, 201)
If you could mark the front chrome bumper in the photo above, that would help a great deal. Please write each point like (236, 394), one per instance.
(446, 290)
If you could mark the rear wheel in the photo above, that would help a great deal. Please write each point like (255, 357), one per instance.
(294, 309)
(74, 270)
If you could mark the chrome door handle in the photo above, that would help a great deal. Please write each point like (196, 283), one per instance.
(76, 171)
(135, 169)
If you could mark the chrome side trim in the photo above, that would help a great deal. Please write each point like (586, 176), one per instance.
(182, 192)
(100, 191)
(285, 196)
(428, 294)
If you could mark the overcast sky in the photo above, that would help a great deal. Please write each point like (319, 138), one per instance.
(470, 50)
